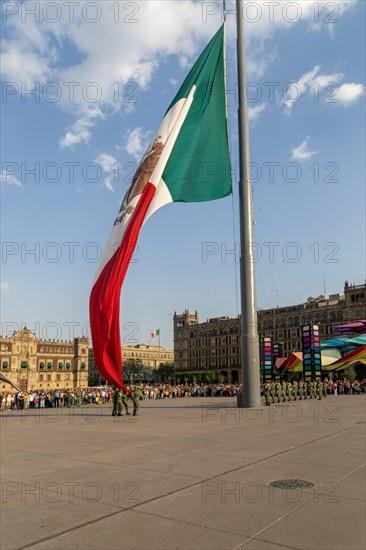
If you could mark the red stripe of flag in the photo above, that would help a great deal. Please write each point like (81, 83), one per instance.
(104, 305)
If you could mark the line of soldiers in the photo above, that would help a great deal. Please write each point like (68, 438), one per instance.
(288, 390)
(120, 401)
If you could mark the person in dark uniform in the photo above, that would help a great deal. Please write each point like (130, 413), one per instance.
(114, 401)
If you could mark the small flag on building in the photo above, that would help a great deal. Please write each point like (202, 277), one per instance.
(155, 333)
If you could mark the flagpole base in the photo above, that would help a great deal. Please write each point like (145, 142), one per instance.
(241, 403)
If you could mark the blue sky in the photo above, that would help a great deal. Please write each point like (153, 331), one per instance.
(83, 144)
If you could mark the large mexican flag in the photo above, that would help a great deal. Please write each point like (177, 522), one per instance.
(187, 161)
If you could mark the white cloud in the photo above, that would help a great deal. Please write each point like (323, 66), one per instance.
(9, 179)
(35, 51)
(254, 112)
(109, 165)
(106, 161)
(258, 63)
(80, 131)
(349, 93)
(265, 18)
(302, 152)
(108, 184)
(4, 287)
(137, 142)
(184, 63)
(322, 87)
(22, 67)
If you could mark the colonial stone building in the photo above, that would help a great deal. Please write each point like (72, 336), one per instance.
(214, 346)
(31, 363)
(151, 357)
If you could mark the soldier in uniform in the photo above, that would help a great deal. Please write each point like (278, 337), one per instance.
(284, 390)
(288, 390)
(295, 388)
(272, 390)
(309, 390)
(124, 401)
(278, 391)
(324, 388)
(114, 401)
(319, 389)
(119, 403)
(136, 400)
(301, 389)
(267, 394)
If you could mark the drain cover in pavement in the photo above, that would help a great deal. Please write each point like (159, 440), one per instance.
(292, 484)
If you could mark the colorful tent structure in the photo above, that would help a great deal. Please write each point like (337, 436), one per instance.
(359, 326)
(353, 357)
(336, 353)
(293, 363)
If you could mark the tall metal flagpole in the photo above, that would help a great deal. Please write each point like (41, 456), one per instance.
(249, 331)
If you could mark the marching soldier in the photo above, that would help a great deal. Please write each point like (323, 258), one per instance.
(114, 401)
(272, 390)
(278, 391)
(288, 390)
(295, 388)
(319, 388)
(119, 403)
(125, 402)
(284, 390)
(324, 388)
(301, 389)
(309, 389)
(136, 400)
(267, 394)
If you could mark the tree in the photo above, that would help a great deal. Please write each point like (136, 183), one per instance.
(132, 369)
(166, 371)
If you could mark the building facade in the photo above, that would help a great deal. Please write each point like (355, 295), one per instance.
(31, 363)
(151, 357)
(215, 344)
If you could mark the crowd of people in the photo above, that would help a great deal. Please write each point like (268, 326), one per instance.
(71, 397)
(38, 399)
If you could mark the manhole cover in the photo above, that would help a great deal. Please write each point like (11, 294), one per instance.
(292, 484)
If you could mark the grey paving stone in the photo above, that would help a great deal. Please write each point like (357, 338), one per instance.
(202, 469)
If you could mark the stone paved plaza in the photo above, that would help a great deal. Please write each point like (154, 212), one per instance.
(190, 473)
